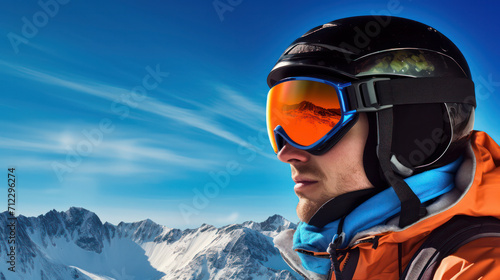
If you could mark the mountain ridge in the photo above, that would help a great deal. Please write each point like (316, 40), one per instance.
(309, 106)
(75, 244)
(306, 114)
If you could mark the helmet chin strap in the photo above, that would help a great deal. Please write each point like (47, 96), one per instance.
(411, 209)
(370, 159)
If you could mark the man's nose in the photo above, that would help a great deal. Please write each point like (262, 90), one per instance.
(290, 154)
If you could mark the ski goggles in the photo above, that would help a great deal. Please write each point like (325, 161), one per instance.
(307, 113)
(314, 114)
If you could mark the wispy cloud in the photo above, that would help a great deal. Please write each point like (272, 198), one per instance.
(32, 162)
(232, 105)
(231, 218)
(151, 105)
(31, 146)
(242, 101)
(193, 119)
(42, 164)
(82, 85)
(39, 146)
(111, 149)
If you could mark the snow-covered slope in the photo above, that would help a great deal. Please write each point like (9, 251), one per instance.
(76, 245)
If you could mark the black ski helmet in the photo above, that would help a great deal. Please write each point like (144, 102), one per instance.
(424, 136)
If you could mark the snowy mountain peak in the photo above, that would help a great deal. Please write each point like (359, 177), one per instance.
(205, 227)
(271, 226)
(78, 225)
(276, 223)
(73, 210)
(81, 218)
(142, 231)
(275, 219)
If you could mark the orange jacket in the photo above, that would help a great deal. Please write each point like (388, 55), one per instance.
(480, 197)
(477, 193)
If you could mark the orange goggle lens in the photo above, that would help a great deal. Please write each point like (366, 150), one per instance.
(306, 110)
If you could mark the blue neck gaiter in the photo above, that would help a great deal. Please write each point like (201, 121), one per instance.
(373, 212)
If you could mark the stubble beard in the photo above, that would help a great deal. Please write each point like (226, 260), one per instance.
(343, 182)
(307, 206)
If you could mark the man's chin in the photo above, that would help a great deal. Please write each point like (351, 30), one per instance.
(306, 209)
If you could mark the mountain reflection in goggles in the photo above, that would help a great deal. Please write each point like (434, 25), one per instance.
(305, 109)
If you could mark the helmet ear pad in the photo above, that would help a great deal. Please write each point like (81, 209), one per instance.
(421, 134)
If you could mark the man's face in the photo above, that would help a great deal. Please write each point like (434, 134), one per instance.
(338, 171)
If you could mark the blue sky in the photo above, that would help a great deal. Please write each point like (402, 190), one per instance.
(139, 110)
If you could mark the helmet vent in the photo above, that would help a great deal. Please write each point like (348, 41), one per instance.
(303, 48)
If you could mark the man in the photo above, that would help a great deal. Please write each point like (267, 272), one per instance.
(375, 116)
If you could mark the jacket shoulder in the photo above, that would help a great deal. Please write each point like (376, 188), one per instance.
(479, 259)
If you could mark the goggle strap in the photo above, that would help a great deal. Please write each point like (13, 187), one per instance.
(411, 210)
(382, 93)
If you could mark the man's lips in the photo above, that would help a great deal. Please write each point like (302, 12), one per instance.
(301, 183)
